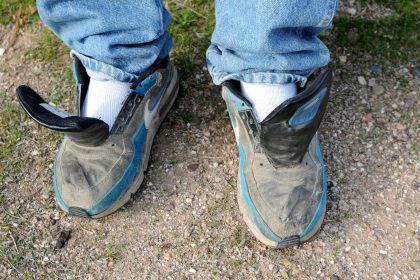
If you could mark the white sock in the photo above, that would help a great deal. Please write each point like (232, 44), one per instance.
(267, 97)
(104, 100)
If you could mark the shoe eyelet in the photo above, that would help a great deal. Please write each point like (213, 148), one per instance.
(261, 164)
(113, 145)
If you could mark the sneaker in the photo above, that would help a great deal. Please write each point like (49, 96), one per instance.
(97, 169)
(282, 185)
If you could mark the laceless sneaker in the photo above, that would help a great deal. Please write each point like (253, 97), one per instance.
(282, 185)
(97, 168)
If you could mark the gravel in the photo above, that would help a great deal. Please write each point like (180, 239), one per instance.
(184, 223)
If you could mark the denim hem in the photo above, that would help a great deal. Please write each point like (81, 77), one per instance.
(264, 77)
(102, 71)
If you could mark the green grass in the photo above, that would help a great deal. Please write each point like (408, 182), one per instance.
(393, 38)
(191, 28)
(12, 132)
(48, 48)
(8, 9)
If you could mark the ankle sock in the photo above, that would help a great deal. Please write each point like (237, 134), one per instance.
(267, 97)
(104, 100)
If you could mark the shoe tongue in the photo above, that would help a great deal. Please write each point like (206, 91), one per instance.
(80, 129)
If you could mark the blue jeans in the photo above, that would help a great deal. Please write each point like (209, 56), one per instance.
(266, 41)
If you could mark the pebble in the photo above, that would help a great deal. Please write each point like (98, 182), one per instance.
(45, 194)
(351, 11)
(347, 249)
(334, 277)
(371, 82)
(343, 58)
(192, 167)
(377, 89)
(192, 270)
(383, 252)
(2, 51)
(400, 126)
(219, 195)
(271, 267)
(375, 69)
(362, 80)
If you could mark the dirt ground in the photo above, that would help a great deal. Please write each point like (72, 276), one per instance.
(184, 222)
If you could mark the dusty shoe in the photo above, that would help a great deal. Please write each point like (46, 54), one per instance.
(282, 185)
(97, 168)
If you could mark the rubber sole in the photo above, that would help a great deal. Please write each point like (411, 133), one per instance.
(138, 179)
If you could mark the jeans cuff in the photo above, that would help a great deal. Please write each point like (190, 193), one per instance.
(299, 77)
(102, 71)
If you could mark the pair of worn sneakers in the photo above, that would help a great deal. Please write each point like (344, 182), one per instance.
(281, 184)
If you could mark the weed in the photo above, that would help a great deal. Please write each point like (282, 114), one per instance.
(391, 38)
(10, 7)
(185, 117)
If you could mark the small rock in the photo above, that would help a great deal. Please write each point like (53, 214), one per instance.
(351, 11)
(215, 164)
(2, 51)
(45, 194)
(347, 249)
(192, 270)
(35, 153)
(343, 58)
(219, 195)
(271, 267)
(375, 69)
(400, 126)
(377, 89)
(63, 238)
(368, 117)
(383, 252)
(334, 277)
(192, 167)
(362, 80)
(371, 82)
(206, 133)
(167, 256)
(188, 200)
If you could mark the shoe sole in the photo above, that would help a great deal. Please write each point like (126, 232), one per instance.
(138, 179)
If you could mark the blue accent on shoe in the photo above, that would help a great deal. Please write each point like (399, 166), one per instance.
(120, 187)
(252, 211)
(57, 193)
(145, 85)
(308, 111)
(239, 104)
(74, 73)
(322, 203)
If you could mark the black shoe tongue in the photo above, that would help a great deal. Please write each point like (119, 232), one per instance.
(86, 131)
